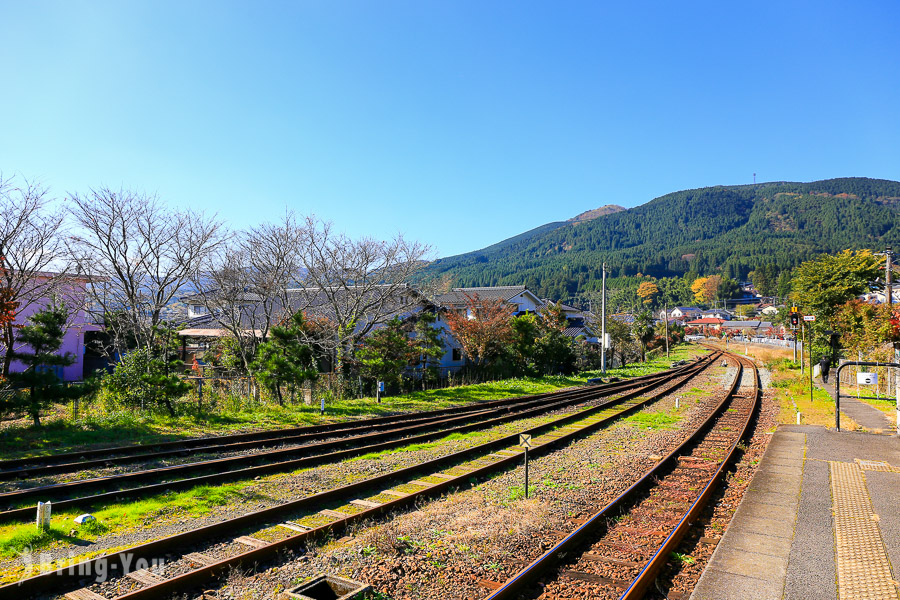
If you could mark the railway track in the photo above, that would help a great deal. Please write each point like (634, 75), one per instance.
(293, 524)
(619, 551)
(64, 495)
(77, 461)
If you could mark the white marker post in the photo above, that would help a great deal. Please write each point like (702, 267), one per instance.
(525, 442)
(43, 516)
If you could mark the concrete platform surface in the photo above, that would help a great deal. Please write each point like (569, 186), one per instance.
(820, 520)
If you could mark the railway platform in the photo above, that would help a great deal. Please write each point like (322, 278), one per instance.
(819, 521)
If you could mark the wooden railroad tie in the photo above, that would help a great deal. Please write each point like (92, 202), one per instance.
(619, 583)
(251, 541)
(442, 475)
(333, 513)
(639, 531)
(366, 503)
(609, 559)
(710, 541)
(295, 527)
(491, 585)
(84, 594)
(395, 493)
(200, 559)
(420, 482)
(146, 577)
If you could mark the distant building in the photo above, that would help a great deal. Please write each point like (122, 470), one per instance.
(717, 313)
(72, 293)
(521, 299)
(769, 310)
(707, 325)
(685, 313)
(748, 327)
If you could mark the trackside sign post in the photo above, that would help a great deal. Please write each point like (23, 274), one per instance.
(525, 443)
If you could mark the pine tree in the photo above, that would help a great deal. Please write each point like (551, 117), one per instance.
(43, 334)
(427, 346)
(284, 359)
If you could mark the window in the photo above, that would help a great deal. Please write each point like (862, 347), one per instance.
(457, 354)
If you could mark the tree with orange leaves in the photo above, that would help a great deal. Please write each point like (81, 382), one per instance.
(8, 308)
(482, 329)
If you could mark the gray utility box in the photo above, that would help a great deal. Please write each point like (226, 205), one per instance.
(329, 587)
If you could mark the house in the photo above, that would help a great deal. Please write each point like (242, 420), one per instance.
(578, 323)
(717, 313)
(769, 310)
(399, 301)
(522, 301)
(684, 313)
(70, 290)
(518, 296)
(751, 328)
(880, 297)
(707, 325)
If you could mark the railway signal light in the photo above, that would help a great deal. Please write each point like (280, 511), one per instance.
(795, 320)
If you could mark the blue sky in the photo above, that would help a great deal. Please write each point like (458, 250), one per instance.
(456, 123)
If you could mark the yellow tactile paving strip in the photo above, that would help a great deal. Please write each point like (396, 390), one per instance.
(863, 567)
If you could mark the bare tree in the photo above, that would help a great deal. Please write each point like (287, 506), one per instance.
(139, 255)
(244, 286)
(345, 287)
(356, 284)
(32, 251)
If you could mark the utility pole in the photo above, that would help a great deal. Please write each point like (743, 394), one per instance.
(603, 324)
(666, 320)
(888, 272)
(803, 345)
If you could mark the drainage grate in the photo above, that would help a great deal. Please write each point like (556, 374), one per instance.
(876, 465)
(329, 587)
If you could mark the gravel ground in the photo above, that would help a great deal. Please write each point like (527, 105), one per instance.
(269, 491)
(454, 546)
(12, 485)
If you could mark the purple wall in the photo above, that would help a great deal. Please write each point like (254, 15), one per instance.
(73, 342)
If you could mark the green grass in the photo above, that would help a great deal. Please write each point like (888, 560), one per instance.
(421, 446)
(28, 537)
(654, 420)
(117, 518)
(98, 426)
(517, 492)
(684, 559)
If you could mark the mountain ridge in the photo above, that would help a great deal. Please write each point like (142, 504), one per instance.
(719, 229)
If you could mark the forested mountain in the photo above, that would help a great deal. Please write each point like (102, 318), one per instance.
(729, 230)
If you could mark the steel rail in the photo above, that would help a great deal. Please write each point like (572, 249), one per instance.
(18, 465)
(596, 524)
(69, 577)
(284, 437)
(316, 454)
(654, 566)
